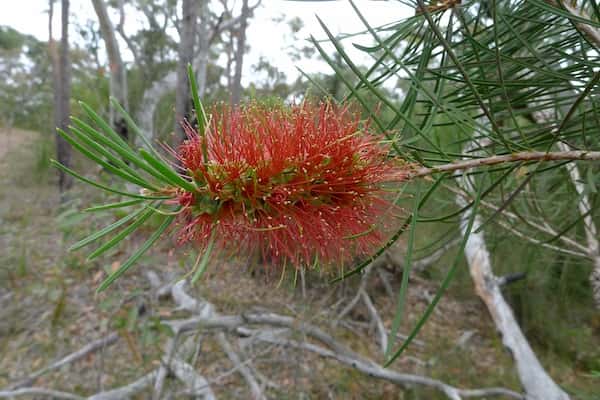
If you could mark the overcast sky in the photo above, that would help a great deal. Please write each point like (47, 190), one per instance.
(266, 37)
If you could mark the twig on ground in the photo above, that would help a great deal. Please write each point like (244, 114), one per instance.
(364, 280)
(257, 393)
(386, 282)
(35, 391)
(79, 354)
(374, 370)
(329, 347)
(383, 338)
(163, 370)
(126, 391)
(336, 351)
(196, 383)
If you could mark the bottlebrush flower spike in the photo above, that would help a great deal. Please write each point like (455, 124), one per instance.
(296, 183)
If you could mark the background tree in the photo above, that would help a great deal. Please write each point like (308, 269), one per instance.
(187, 33)
(117, 70)
(62, 77)
(240, 50)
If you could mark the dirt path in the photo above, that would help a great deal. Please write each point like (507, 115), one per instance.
(12, 139)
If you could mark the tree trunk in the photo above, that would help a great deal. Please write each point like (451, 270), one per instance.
(236, 89)
(62, 94)
(186, 55)
(118, 73)
(591, 232)
(204, 41)
(535, 380)
(159, 88)
(54, 59)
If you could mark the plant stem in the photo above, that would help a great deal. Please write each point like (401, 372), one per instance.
(513, 157)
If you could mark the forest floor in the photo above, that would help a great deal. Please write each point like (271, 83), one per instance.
(48, 308)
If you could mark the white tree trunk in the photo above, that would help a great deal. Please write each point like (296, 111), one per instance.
(186, 54)
(168, 83)
(204, 39)
(592, 249)
(591, 233)
(538, 385)
(118, 73)
(236, 87)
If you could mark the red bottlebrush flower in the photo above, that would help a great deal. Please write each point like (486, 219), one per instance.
(296, 183)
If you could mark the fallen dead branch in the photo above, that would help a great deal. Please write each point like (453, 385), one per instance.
(257, 393)
(536, 381)
(315, 340)
(34, 391)
(79, 354)
(332, 349)
(126, 391)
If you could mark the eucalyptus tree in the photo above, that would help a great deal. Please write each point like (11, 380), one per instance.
(62, 91)
(187, 34)
(117, 70)
(236, 87)
(209, 28)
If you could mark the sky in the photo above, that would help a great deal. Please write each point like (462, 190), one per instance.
(267, 38)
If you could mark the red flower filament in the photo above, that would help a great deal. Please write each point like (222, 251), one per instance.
(296, 183)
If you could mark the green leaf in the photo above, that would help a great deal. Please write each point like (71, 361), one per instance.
(368, 84)
(564, 13)
(205, 257)
(103, 187)
(133, 126)
(155, 236)
(442, 289)
(114, 136)
(405, 275)
(124, 152)
(126, 176)
(167, 172)
(145, 213)
(200, 113)
(106, 230)
(109, 206)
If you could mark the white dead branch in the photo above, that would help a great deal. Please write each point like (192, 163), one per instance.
(592, 250)
(591, 233)
(537, 383)
(258, 327)
(331, 349)
(33, 391)
(255, 389)
(127, 391)
(73, 357)
(196, 384)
